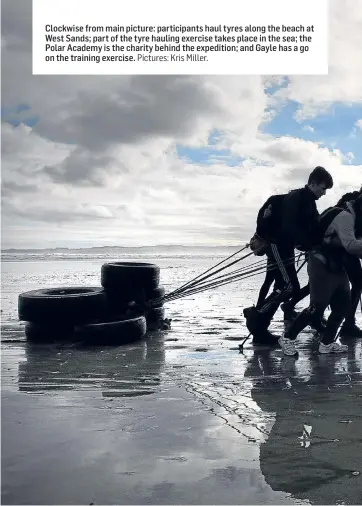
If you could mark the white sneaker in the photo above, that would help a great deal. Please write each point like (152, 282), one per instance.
(288, 346)
(332, 348)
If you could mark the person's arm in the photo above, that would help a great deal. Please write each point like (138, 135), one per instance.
(343, 225)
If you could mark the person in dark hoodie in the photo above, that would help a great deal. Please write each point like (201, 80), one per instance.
(329, 284)
(297, 221)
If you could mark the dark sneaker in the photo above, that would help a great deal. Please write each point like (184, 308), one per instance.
(265, 338)
(289, 312)
(350, 331)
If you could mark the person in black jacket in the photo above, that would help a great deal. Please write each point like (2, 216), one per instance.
(268, 227)
(295, 228)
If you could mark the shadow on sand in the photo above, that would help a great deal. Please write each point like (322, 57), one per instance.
(314, 448)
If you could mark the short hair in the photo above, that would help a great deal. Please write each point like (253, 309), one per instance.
(320, 175)
(348, 197)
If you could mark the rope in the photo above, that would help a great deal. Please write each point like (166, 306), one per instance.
(195, 287)
(194, 281)
(231, 277)
(202, 282)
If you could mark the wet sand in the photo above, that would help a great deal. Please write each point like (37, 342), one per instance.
(181, 417)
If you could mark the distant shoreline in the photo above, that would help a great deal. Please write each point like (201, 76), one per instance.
(122, 248)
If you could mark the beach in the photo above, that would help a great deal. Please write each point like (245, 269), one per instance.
(181, 417)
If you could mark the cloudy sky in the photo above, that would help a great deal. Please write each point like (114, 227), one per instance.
(138, 160)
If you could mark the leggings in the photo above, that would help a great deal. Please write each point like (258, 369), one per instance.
(326, 289)
(268, 281)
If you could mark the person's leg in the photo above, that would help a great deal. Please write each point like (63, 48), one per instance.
(354, 272)
(258, 319)
(293, 276)
(302, 294)
(292, 297)
(268, 281)
(322, 286)
(340, 306)
(286, 282)
(289, 308)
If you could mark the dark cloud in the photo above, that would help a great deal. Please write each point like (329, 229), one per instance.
(10, 187)
(80, 168)
(96, 112)
(47, 214)
(152, 106)
(16, 23)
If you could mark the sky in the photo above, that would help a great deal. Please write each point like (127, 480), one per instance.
(158, 160)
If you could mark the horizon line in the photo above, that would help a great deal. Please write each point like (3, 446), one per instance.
(122, 247)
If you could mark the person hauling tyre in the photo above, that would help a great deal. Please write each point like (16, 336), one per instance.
(267, 223)
(267, 230)
(354, 272)
(293, 226)
(340, 231)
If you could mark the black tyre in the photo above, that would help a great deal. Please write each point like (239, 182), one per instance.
(154, 317)
(155, 293)
(118, 303)
(70, 305)
(115, 333)
(46, 333)
(128, 278)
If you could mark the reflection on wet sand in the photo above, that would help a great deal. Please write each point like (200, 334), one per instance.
(183, 418)
(124, 371)
(314, 448)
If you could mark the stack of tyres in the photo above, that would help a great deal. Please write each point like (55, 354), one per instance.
(134, 284)
(76, 313)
